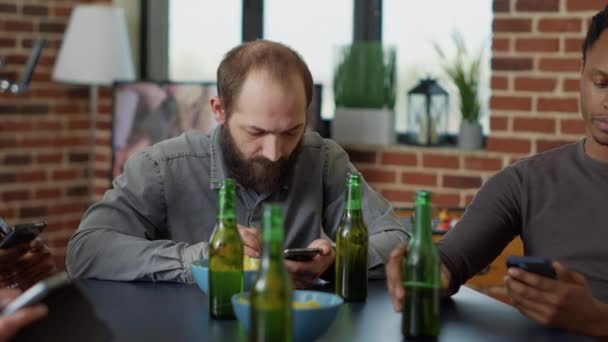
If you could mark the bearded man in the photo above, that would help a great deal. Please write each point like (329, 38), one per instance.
(160, 214)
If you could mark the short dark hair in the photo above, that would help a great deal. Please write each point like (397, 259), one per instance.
(277, 59)
(599, 23)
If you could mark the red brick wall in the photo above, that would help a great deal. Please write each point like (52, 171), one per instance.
(44, 132)
(536, 59)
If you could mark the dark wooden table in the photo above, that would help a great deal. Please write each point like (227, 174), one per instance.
(93, 310)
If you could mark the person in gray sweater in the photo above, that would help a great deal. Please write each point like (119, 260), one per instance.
(555, 201)
(160, 214)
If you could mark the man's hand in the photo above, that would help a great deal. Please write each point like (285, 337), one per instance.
(251, 238)
(394, 280)
(9, 256)
(35, 265)
(24, 265)
(393, 276)
(565, 303)
(9, 325)
(303, 273)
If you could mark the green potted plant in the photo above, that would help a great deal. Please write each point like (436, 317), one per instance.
(364, 91)
(464, 71)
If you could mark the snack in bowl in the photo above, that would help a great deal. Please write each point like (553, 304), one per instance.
(309, 304)
(313, 312)
(250, 264)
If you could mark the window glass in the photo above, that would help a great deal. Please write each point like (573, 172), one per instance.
(200, 33)
(414, 26)
(316, 29)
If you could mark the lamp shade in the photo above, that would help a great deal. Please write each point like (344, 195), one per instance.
(95, 48)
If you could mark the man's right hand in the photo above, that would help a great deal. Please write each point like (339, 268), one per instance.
(11, 324)
(251, 238)
(394, 280)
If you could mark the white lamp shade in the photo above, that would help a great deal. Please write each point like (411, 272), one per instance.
(95, 48)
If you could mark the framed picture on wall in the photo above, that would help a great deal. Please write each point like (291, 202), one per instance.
(146, 112)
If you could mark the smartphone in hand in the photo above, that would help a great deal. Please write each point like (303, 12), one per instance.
(536, 265)
(301, 254)
(22, 233)
(37, 292)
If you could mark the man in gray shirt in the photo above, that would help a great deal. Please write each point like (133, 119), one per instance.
(160, 214)
(556, 201)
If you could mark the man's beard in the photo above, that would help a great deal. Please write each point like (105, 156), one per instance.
(258, 173)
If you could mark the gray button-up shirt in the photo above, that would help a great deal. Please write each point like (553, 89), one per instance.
(160, 214)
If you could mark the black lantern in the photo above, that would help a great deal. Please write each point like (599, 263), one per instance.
(427, 110)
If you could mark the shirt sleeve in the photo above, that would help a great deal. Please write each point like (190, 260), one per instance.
(490, 222)
(385, 230)
(124, 236)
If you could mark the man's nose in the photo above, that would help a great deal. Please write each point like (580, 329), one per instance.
(605, 103)
(272, 148)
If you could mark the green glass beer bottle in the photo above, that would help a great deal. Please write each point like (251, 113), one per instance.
(421, 275)
(351, 246)
(225, 255)
(271, 295)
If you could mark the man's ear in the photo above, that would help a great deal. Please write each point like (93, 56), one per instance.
(218, 109)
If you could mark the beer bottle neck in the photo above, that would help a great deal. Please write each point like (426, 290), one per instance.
(272, 238)
(353, 199)
(226, 209)
(272, 248)
(422, 223)
(272, 251)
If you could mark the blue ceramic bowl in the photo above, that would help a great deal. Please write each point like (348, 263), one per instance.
(308, 323)
(200, 272)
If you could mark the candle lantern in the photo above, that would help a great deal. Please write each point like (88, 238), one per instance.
(428, 106)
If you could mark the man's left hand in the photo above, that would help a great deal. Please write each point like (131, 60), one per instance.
(565, 302)
(304, 273)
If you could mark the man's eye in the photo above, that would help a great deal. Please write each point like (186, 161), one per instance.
(256, 133)
(600, 84)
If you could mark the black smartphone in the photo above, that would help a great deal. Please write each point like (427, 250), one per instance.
(37, 292)
(537, 265)
(22, 233)
(301, 254)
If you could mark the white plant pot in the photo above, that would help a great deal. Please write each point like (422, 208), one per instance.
(470, 136)
(363, 126)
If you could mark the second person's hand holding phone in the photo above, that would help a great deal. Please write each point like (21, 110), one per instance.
(24, 264)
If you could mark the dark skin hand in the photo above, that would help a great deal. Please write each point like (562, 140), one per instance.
(565, 302)
(24, 265)
(11, 324)
(394, 280)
